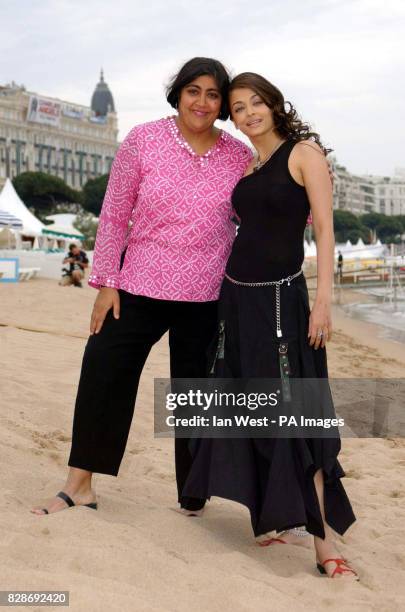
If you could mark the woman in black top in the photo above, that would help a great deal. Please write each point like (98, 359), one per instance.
(268, 330)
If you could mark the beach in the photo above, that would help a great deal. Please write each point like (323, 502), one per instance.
(136, 552)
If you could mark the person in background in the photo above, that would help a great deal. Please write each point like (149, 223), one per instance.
(340, 266)
(78, 262)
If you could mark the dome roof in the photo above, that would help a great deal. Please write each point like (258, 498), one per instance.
(102, 101)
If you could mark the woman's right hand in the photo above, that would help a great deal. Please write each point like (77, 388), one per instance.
(107, 298)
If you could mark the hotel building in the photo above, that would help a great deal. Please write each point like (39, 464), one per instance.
(43, 134)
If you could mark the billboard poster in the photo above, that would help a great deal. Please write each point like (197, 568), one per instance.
(72, 111)
(101, 120)
(42, 110)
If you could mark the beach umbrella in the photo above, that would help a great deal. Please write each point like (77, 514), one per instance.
(9, 220)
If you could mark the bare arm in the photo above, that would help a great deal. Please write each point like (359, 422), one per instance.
(315, 175)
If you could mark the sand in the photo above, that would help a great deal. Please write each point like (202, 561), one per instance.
(135, 553)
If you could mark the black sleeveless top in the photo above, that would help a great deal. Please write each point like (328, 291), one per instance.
(273, 209)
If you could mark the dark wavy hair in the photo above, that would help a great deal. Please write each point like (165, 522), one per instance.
(191, 70)
(287, 122)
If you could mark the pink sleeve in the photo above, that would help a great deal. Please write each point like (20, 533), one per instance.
(118, 204)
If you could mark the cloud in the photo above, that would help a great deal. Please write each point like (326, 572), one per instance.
(339, 61)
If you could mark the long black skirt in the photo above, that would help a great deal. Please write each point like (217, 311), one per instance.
(273, 477)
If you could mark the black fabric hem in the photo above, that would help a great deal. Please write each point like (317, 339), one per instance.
(94, 468)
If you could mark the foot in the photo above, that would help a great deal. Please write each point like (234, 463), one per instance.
(79, 497)
(332, 562)
(288, 537)
(337, 568)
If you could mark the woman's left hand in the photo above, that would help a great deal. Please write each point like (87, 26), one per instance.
(320, 324)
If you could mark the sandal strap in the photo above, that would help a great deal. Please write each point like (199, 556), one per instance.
(342, 570)
(339, 569)
(338, 561)
(66, 498)
(270, 541)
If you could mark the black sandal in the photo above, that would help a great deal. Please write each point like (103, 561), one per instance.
(70, 502)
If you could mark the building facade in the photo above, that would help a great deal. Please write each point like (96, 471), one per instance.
(390, 195)
(363, 194)
(43, 134)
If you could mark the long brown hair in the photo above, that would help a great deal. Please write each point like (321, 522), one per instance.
(287, 122)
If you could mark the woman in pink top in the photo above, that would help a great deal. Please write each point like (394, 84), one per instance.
(171, 181)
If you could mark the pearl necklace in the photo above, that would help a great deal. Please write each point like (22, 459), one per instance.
(261, 163)
(181, 141)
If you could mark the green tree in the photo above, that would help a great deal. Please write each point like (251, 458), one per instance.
(371, 221)
(42, 192)
(348, 227)
(87, 224)
(389, 229)
(401, 219)
(93, 194)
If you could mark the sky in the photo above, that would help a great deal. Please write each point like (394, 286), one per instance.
(341, 63)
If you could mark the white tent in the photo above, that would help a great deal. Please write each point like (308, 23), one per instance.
(309, 249)
(62, 231)
(11, 203)
(350, 251)
(66, 219)
(361, 250)
(62, 226)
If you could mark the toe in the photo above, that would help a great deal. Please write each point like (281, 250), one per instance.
(53, 506)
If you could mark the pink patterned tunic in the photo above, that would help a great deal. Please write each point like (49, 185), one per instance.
(179, 204)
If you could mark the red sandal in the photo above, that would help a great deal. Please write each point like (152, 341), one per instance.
(271, 541)
(338, 569)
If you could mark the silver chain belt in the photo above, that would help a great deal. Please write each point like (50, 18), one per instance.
(278, 284)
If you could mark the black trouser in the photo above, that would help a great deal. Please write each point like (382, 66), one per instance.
(112, 365)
